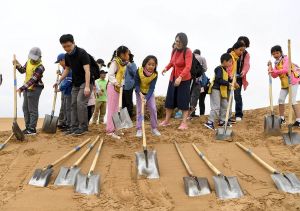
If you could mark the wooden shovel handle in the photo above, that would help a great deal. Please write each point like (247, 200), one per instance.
(120, 97)
(143, 125)
(187, 167)
(7, 140)
(77, 148)
(90, 147)
(55, 93)
(95, 158)
(15, 88)
(208, 163)
(290, 83)
(230, 101)
(258, 159)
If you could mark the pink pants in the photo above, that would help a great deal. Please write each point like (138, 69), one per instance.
(112, 107)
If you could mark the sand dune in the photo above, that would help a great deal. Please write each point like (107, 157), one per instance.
(120, 188)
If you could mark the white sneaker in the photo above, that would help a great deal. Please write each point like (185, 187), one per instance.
(156, 132)
(238, 119)
(139, 133)
(113, 135)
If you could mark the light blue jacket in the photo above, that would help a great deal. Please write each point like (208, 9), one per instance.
(131, 70)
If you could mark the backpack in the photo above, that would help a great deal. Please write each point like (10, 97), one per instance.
(95, 70)
(196, 69)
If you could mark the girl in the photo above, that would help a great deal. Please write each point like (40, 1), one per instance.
(116, 75)
(280, 70)
(145, 81)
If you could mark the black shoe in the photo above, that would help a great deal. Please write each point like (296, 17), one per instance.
(222, 123)
(66, 129)
(24, 131)
(71, 131)
(209, 125)
(80, 132)
(232, 120)
(282, 121)
(30, 132)
(194, 115)
(296, 124)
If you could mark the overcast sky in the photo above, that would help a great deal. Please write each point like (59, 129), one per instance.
(146, 27)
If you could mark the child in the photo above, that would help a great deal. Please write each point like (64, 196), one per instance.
(101, 98)
(281, 70)
(218, 91)
(145, 81)
(116, 75)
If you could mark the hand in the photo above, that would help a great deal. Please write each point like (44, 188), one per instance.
(242, 74)
(236, 85)
(269, 63)
(87, 91)
(17, 63)
(100, 92)
(19, 91)
(163, 72)
(118, 85)
(178, 81)
(55, 86)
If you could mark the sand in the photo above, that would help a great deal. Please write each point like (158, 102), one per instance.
(122, 190)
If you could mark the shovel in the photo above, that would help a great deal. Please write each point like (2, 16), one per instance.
(5, 142)
(89, 184)
(290, 138)
(227, 187)
(41, 177)
(225, 133)
(286, 182)
(15, 127)
(50, 121)
(121, 119)
(67, 176)
(193, 185)
(146, 160)
(272, 123)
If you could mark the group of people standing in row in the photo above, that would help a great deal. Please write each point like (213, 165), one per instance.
(86, 94)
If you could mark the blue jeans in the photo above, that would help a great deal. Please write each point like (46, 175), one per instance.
(238, 99)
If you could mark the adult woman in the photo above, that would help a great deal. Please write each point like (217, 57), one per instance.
(178, 95)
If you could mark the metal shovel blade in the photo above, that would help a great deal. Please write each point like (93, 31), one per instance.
(291, 138)
(224, 134)
(117, 121)
(41, 177)
(196, 186)
(150, 172)
(287, 182)
(125, 118)
(87, 184)
(17, 131)
(2, 146)
(272, 125)
(227, 187)
(50, 124)
(67, 176)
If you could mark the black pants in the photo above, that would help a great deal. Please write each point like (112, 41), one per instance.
(90, 112)
(238, 99)
(127, 101)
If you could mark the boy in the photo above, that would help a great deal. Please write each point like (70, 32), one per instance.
(218, 91)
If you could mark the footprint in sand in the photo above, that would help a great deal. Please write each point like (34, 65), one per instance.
(29, 152)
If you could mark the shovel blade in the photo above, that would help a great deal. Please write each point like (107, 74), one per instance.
(125, 118)
(196, 186)
(17, 131)
(272, 125)
(227, 187)
(287, 182)
(50, 124)
(2, 146)
(41, 177)
(150, 172)
(117, 121)
(66, 176)
(87, 185)
(291, 138)
(224, 134)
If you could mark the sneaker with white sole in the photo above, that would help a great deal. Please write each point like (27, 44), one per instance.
(113, 135)
(156, 132)
(139, 133)
(296, 124)
(282, 121)
(238, 119)
(209, 125)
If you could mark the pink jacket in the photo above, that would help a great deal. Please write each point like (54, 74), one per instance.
(245, 70)
(284, 70)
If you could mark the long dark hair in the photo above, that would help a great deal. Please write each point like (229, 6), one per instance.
(183, 39)
(120, 50)
(147, 59)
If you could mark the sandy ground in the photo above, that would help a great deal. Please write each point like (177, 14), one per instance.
(6, 123)
(122, 190)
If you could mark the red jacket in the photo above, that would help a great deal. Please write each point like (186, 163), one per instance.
(181, 66)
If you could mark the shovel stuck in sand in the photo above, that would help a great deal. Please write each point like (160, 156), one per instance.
(226, 187)
(67, 176)
(15, 127)
(50, 121)
(89, 184)
(41, 177)
(2, 145)
(290, 138)
(193, 185)
(121, 119)
(272, 123)
(146, 160)
(286, 182)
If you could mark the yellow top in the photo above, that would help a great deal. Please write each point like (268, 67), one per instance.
(30, 69)
(145, 81)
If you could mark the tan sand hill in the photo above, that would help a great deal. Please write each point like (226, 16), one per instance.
(121, 190)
